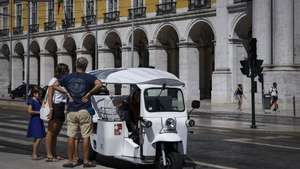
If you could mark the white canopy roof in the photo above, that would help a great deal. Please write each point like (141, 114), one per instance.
(136, 76)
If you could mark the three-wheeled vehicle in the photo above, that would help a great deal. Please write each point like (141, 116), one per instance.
(147, 122)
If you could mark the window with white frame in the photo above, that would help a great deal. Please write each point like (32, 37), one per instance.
(69, 9)
(5, 18)
(89, 7)
(138, 3)
(18, 15)
(112, 5)
(51, 11)
(34, 13)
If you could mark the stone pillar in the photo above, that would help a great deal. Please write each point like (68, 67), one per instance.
(105, 58)
(64, 57)
(222, 76)
(261, 26)
(127, 57)
(88, 56)
(46, 68)
(33, 70)
(18, 72)
(283, 32)
(189, 70)
(158, 57)
(4, 75)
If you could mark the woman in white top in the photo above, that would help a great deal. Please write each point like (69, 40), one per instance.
(57, 112)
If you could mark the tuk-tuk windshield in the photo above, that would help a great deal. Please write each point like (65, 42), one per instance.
(164, 100)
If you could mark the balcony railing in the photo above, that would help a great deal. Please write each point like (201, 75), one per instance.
(34, 28)
(49, 26)
(68, 23)
(198, 4)
(111, 16)
(88, 20)
(4, 32)
(18, 30)
(139, 12)
(166, 8)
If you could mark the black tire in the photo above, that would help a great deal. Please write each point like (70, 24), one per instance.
(174, 161)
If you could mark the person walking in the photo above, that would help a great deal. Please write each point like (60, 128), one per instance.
(36, 129)
(239, 94)
(274, 96)
(57, 101)
(81, 86)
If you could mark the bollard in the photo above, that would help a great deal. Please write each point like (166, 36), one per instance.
(294, 106)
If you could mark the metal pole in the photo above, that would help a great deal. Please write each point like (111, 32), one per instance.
(253, 124)
(132, 39)
(11, 50)
(294, 106)
(28, 53)
(96, 39)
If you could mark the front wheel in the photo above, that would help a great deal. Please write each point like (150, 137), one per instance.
(174, 160)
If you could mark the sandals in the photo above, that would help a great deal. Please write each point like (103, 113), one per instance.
(52, 159)
(88, 165)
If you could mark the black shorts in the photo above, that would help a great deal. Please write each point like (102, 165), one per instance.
(59, 112)
(274, 99)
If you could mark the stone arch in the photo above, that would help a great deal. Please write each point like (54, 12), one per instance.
(5, 69)
(160, 27)
(201, 34)
(167, 39)
(114, 44)
(241, 31)
(107, 33)
(197, 21)
(68, 55)
(141, 51)
(88, 50)
(18, 65)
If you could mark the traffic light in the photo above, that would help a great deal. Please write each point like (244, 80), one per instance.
(257, 67)
(245, 69)
(261, 77)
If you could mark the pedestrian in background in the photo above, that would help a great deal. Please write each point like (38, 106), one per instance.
(36, 129)
(57, 102)
(274, 96)
(238, 95)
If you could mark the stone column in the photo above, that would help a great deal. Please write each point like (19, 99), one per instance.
(127, 57)
(222, 76)
(33, 70)
(47, 68)
(64, 57)
(88, 56)
(189, 70)
(261, 27)
(18, 72)
(105, 58)
(283, 32)
(158, 57)
(4, 75)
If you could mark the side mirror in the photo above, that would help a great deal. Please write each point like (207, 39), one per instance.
(195, 104)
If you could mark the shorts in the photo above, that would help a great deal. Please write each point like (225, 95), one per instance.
(274, 99)
(59, 112)
(79, 120)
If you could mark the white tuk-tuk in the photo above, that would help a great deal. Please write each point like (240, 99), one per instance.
(147, 123)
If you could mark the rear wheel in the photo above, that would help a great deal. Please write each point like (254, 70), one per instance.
(174, 160)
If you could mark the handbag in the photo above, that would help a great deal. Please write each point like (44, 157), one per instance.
(45, 109)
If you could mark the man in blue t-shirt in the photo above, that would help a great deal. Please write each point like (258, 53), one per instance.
(80, 86)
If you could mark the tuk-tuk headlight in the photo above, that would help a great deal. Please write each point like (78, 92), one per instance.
(171, 124)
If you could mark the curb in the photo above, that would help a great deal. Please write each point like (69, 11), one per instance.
(12, 104)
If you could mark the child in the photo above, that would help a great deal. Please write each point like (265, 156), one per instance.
(36, 127)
